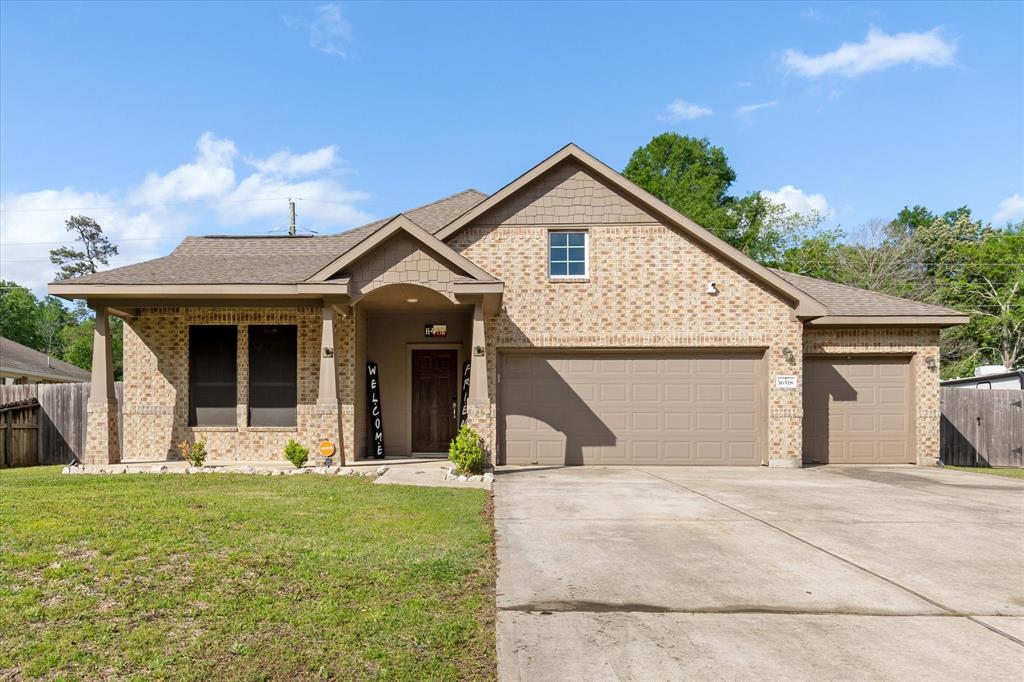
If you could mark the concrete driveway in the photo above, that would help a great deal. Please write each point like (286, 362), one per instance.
(729, 573)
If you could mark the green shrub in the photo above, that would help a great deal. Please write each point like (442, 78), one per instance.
(195, 453)
(466, 453)
(295, 453)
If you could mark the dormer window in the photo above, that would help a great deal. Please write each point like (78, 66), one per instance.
(568, 254)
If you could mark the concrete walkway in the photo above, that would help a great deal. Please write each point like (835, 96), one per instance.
(728, 573)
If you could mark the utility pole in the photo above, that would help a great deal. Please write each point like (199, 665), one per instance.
(291, 225)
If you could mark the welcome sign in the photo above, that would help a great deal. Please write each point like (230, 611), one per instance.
(376, 418)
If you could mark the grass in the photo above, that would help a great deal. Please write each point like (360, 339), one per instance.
(221, 576)
(1009, 473)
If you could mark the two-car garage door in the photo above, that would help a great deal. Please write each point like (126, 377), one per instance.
(632, 408)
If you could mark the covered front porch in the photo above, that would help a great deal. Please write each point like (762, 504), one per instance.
(246, 368)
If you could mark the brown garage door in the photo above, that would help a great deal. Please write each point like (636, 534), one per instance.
(632, 408)
(857, 411)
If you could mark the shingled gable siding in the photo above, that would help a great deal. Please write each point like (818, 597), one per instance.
(921, 343)
(402, 259)
(647, 289)
(156, 385)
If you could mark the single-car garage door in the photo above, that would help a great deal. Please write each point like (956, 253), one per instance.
(632, 408)
(857, 411)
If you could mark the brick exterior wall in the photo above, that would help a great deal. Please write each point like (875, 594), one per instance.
(920, 343)
(646, 289)
(156, 386)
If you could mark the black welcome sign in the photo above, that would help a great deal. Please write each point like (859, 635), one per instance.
(465, 395)
(376, 420)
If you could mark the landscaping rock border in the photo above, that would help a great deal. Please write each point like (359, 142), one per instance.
(250, 470)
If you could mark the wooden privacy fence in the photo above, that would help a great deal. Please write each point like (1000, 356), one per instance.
(982, 427)
(19, 433)
(61, 421)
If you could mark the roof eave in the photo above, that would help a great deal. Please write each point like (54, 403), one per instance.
(72, 291)
(888, 321)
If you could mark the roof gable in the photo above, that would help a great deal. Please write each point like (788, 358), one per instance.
(805, 305)
(400, 224)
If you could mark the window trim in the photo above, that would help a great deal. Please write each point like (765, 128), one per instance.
(586, 256)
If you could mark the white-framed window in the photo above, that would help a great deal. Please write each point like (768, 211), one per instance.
(568, 254)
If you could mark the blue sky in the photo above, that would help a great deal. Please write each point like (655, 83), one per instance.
(173, 119)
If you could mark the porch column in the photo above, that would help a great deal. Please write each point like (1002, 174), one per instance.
(327, 414)
(478, 361)
(101, 439)
(478, 410)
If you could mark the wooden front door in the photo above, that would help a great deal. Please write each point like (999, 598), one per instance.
(434, 399)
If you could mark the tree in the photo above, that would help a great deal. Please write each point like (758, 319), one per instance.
(97, 249)
(985, 278)
(19, 315)
(693, 176)
(814, 255)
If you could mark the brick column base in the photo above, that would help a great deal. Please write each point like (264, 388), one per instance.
(482, 419)
(325, 423)
(102, 445)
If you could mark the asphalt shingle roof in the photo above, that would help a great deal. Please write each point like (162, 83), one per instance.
(844, 300)
(290, 260)
(16, 357)
(268, 259)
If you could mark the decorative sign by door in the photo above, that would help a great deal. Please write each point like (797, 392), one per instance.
(435, 331)
(376, 419)
(465, 395)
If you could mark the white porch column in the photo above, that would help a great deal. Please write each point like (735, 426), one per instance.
(102, 445)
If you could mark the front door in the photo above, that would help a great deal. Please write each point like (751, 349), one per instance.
(434, 399)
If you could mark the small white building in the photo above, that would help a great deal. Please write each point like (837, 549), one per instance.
(990, 377)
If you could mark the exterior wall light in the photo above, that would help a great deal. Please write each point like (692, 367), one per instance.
(712, 288)
(787, 353)
(929, 362)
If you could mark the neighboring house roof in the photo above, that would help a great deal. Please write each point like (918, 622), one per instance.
(982, 378)
(268, 259)
(19, 360)
(846, 303)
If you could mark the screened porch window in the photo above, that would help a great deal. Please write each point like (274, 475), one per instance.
(212, 375)
(273, 374)
(567, 254)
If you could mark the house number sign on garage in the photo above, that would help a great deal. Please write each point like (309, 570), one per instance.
(785, 381)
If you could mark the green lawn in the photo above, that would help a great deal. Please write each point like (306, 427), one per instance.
(221, 576)
(1009, 473)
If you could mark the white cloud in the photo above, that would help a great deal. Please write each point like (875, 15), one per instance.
(1010, 208)
(743, 84)
(679, 110)
(288, 164)
(330, 32)
(147, 220)
(798, 201)
(878, 52)
(748, 109)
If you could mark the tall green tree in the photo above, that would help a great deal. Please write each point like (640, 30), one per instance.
(96, 249)
(985, 278)
(693, 176)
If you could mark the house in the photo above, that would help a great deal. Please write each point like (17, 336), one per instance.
(593, 324)
(995, 377)
(23, 365)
